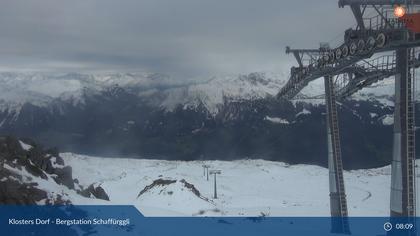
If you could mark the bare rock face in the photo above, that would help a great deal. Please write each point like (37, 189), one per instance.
(17, 157)
(13, 192)
(64, 176)
(97, 192)
(157, 182)
(165, 182)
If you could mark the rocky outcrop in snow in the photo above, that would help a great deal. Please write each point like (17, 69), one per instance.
(31, 175)
(161, 186)
(95, 191)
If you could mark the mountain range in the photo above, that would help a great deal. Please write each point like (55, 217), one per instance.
(230, 117)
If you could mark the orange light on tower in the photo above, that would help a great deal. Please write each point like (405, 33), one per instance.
(399, 11)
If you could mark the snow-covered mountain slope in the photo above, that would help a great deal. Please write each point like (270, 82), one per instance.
(382, 92)
(41, 89)
(224, 118)
(212, 94)
(245, 187)
(45, 89)
(38, 89)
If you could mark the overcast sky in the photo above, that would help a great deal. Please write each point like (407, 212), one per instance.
(182, 38)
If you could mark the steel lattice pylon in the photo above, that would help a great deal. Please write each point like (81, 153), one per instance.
(349, 63)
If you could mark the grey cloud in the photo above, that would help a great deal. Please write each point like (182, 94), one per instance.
(183, 38)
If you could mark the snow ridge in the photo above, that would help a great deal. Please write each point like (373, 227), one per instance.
(45, 89)
(245, 187)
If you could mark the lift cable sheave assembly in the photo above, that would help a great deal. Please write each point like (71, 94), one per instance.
(349, 68)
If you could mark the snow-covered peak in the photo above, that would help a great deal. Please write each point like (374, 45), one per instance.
(16, 89)
(213, 92)
(41, 89)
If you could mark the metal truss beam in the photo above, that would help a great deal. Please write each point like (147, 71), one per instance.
(360, 44)
(358, 14)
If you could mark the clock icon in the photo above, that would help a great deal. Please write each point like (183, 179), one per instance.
(387, 227)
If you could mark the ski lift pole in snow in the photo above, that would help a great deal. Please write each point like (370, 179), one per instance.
(215, 173)
(206, 171)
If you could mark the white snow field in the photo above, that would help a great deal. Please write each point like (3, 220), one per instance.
(245, 187)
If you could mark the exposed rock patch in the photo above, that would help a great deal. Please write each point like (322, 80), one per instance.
(23, 163)
(158, 182)
(165, 182)
(193, 189)
(97, 192)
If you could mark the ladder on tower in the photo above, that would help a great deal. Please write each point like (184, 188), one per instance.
(411, 142)
(332, 120)
(337, 152)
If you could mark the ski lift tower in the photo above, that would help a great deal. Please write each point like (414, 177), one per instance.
(215, 173)
(383, 33)
(311, 57)
(206, 171)
(402, 41)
